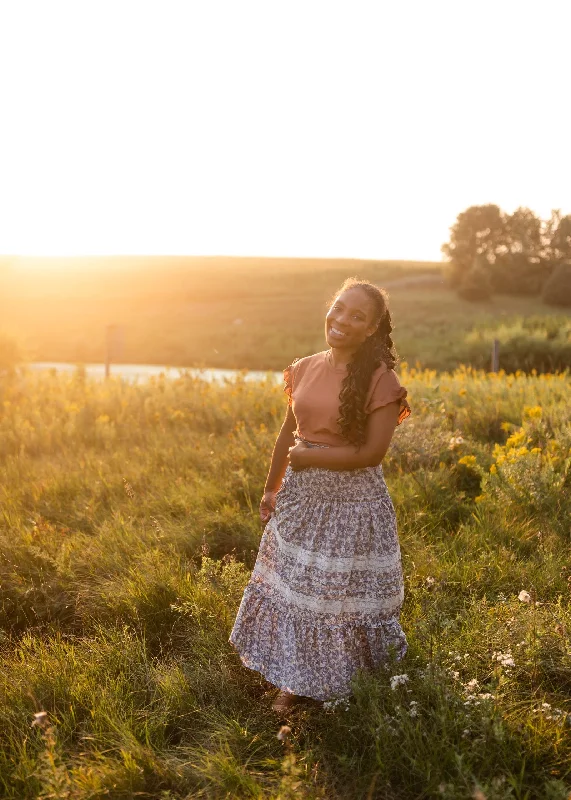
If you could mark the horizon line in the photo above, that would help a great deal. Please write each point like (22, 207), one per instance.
(217, 255)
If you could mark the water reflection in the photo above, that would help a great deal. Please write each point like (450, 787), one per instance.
(135, 373)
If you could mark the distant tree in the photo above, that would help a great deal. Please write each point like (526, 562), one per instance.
(478, 231)
(520, 249)
(557, 289)
(558, 230)
(518, 267)
(475, 284)
(523, 233)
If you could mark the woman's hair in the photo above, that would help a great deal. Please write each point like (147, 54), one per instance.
(376, 348)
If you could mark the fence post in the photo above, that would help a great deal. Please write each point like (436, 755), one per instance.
(113, 345)
(495, 355)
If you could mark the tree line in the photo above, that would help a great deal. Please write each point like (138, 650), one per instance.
(490, 251)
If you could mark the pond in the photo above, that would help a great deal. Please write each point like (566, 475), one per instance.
(135, 373)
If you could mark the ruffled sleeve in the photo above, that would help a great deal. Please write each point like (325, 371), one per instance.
(386, 388)
(289, 373)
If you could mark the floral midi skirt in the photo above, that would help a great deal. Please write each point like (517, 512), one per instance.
(326, 591)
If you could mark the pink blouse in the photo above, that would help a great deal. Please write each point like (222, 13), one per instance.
(313, 385)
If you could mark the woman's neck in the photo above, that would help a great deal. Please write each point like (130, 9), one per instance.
(340, 357)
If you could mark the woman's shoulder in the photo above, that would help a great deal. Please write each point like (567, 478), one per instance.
(299, 367)
(308, 361)
(384, 376)
(380, 370)
(383, 368)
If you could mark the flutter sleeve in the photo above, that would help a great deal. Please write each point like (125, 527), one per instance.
(387, 389)
(289, 377)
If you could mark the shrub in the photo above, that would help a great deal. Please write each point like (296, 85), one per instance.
(544, 347)
(531, 472)
(557, 289)
(475, 285)
(515, 273)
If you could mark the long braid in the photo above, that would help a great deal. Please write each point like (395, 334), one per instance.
(375, 349)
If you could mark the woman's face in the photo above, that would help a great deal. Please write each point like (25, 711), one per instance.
(350, 320)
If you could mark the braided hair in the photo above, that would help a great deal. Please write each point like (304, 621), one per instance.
(378, 347)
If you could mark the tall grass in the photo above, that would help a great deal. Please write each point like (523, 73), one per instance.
(128, 527)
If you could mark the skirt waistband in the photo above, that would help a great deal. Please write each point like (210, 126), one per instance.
(353, 485)
(299, 438)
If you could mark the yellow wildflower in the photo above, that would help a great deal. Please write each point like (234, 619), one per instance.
(469, 461)
(517, 438)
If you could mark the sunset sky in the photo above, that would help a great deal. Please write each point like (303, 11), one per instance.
(346, 129)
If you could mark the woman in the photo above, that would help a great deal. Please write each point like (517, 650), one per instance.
(326, 590)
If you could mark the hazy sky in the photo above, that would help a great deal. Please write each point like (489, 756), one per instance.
(276, 128)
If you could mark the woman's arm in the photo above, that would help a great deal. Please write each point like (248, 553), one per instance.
(381, 425)
(278, 465)
(282, 446)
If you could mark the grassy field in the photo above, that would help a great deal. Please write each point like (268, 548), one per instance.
(128, 526)
(253, 313)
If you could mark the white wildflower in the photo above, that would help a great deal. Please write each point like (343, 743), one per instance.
(471, 685)
(471, 700)
(524, 596)
(413, 709)
(398, 680)
(555, 714)
(429, 580)
(505, 659)
(339, 703)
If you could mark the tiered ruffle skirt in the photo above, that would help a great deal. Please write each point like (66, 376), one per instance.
(326, 591)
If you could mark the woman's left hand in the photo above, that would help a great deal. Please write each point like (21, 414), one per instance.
(296, 455)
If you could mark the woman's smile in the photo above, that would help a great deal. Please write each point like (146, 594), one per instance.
(336, 332)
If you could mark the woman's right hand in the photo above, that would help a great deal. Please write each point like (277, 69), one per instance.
(267, 506)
